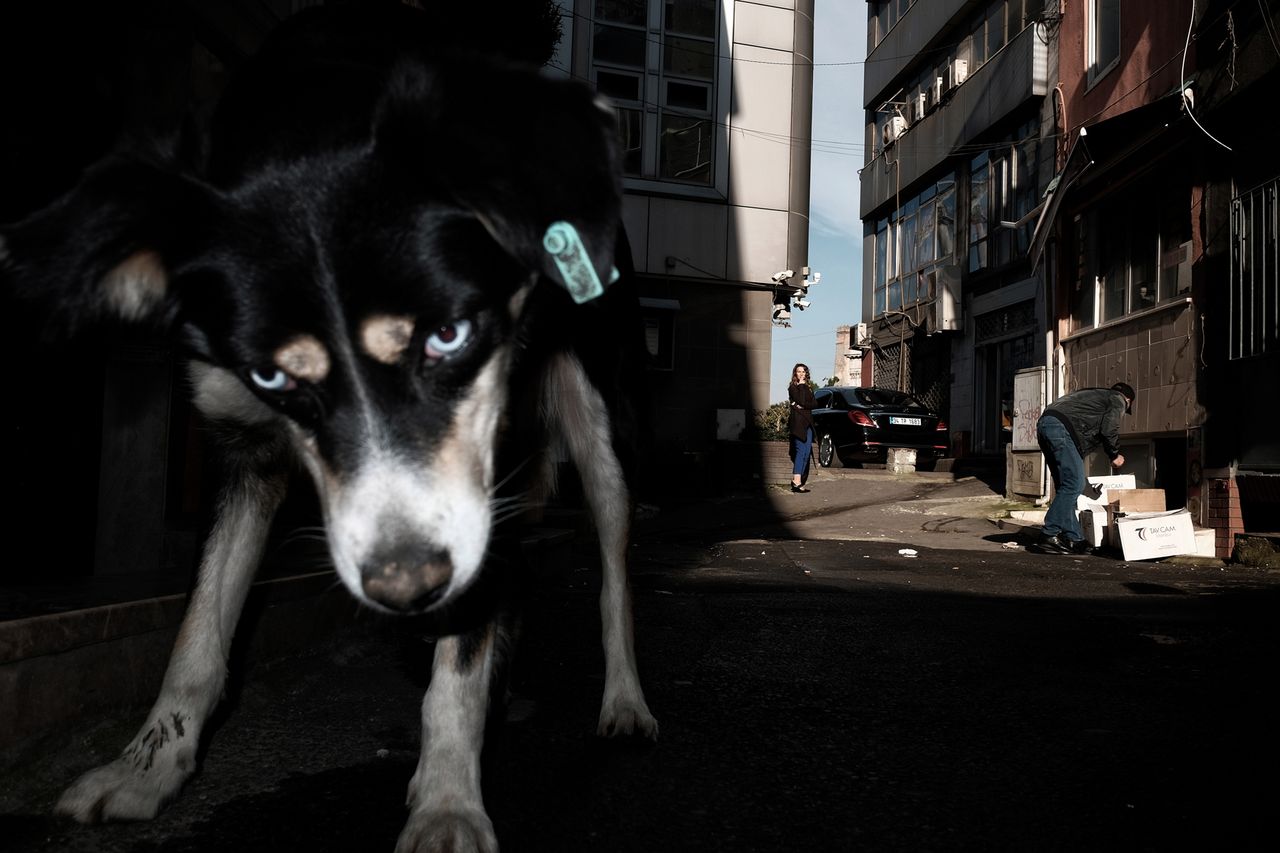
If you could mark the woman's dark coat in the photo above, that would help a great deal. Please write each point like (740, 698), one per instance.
(802, 406)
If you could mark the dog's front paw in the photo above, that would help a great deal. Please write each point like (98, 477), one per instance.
(120, 791)
(437, 831)
(149, 773)
(621, 717)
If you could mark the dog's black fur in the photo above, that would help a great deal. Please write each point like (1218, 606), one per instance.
(355, 267)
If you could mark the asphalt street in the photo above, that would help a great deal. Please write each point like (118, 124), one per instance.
(817, 689)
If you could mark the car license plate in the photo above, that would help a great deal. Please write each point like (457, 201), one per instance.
(894, 419)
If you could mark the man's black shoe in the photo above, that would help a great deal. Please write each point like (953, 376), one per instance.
(1051, 545)
(1081, 547)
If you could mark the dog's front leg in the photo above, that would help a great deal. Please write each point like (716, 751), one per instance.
(585, 424)
(156, 763)
(446, 809)
(623, 710)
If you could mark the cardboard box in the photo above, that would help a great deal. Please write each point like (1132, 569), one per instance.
(1206, 542)
(1108, 484)
(1135, 500)
(1114, 481)
(1125, 501)
(1093, 523)
(1152, 535)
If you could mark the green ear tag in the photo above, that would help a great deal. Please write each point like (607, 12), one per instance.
(563, 244)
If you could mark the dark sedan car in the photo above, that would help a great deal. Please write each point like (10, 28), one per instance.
(861, 424)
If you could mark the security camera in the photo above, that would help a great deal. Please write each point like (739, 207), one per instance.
(801, 303)
(780, 277)
(781, 314)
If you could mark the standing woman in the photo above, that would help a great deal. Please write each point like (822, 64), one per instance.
(800, 424)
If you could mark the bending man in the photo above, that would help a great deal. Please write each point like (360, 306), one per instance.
(1068, 429)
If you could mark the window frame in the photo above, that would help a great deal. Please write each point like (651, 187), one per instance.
(658, 116)
(1096, 12)
(1007, 166)
(901, 276)
(1254, 283)
(1138, 235)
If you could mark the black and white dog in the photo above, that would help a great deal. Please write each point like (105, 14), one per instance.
(388, 268)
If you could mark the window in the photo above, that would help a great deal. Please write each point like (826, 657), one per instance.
(1083, 291)
(910, 256)
(1002, 189)
(995, 29)
(911, 245)
(886, 397)
(1255, 287)
(979, 211)
(1133, 253)
(881, 268)
(1026, 187)
(882, 16)
(665, 98)
(1104, 37)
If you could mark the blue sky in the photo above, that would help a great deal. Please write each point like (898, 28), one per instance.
(835, 232)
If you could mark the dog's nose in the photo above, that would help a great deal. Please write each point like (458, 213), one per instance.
(408, 578)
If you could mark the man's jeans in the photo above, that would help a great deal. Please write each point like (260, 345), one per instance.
(1068, 478)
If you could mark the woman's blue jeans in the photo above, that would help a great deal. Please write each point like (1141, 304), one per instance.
(802, 447)
(1067, 469)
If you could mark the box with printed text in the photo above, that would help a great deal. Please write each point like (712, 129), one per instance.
(1152, 535)
(1093, 511)
(1122, 502)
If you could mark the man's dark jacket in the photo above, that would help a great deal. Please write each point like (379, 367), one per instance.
(1092, 416)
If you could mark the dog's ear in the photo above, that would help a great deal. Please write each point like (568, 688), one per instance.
(526, 153)
(103, 250)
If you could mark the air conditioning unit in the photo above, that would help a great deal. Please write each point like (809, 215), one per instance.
(936, 91)
(858, 335)
(891, 130)
(957, 73)
(919, 106)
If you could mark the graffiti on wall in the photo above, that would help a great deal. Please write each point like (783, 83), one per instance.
(1028, 402)
(1027, 470)
(1026, 413)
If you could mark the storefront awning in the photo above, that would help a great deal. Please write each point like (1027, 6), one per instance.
(1078, 159)
(1109, 143)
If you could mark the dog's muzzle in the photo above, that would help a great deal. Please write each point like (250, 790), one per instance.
(407, 579)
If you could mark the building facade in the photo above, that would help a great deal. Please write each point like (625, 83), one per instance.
(1081, 192)
(714, 99)
(957, 118)
(1160, 249)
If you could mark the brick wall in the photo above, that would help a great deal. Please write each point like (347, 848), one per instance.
(745, 463)
(1224, 515)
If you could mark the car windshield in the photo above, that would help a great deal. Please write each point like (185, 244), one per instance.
(887, 397)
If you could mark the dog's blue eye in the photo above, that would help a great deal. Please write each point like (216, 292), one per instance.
(448, 340)
(272, 380)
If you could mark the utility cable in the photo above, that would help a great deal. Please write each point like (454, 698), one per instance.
(1182, 78)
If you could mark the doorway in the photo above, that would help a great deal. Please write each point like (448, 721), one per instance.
(997, 363)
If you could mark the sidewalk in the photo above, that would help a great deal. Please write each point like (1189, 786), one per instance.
(930, 509)
(934, 508)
